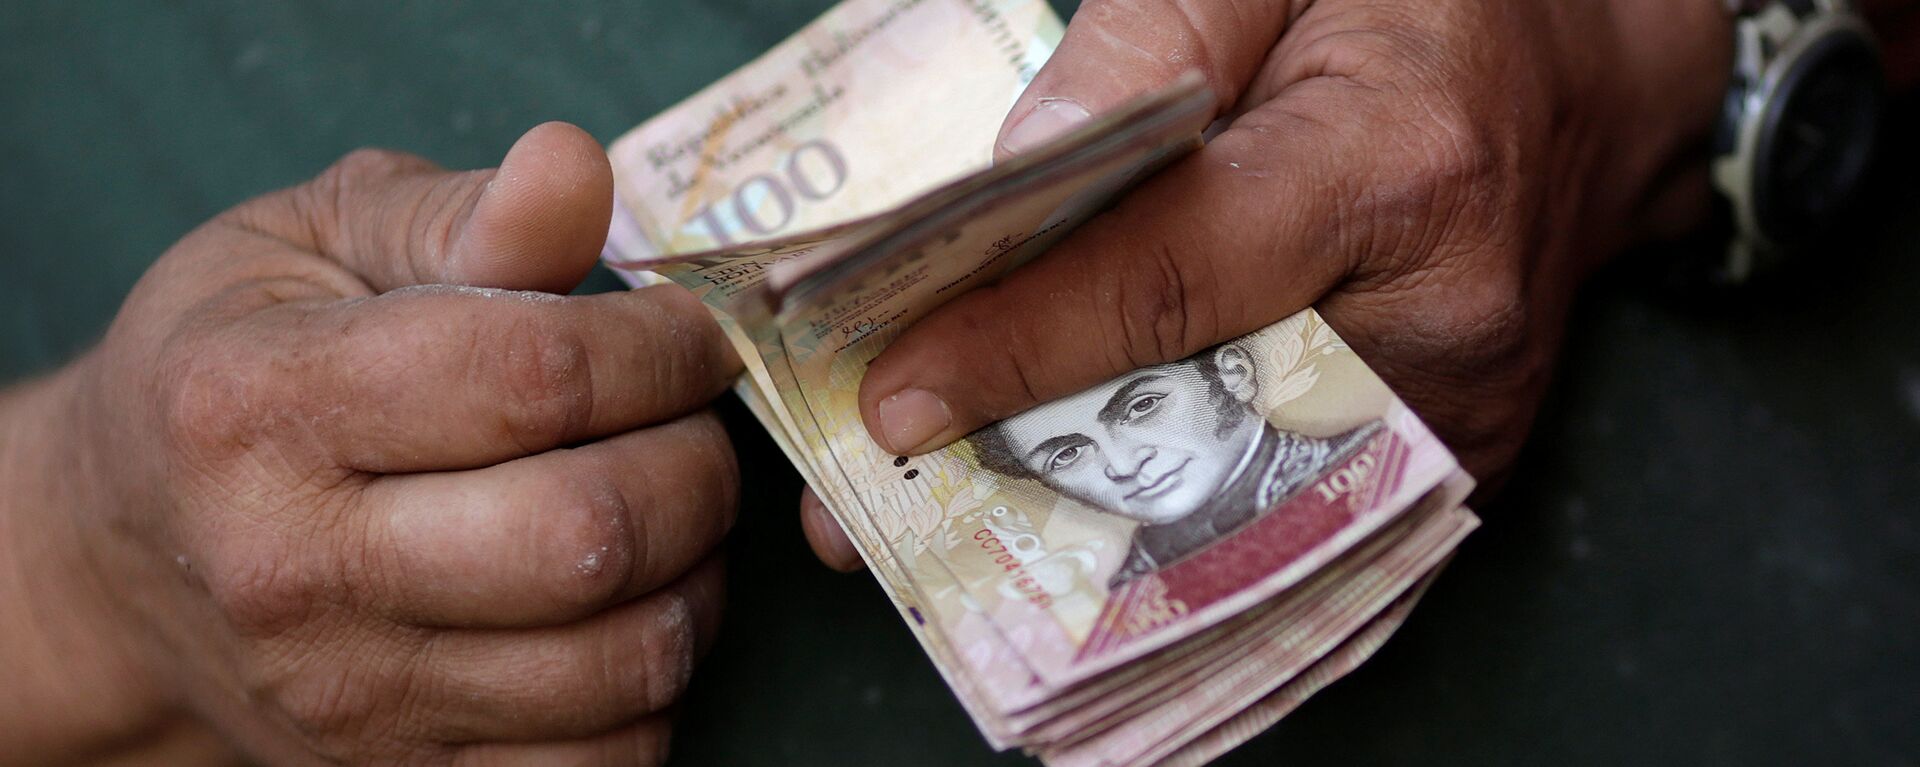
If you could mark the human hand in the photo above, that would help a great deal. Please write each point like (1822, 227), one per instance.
(1435, 177)
(347, 512)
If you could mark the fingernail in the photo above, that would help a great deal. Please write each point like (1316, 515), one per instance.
(1048, 120)
(911, 418)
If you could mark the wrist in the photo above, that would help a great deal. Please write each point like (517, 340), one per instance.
(1679, 56)
(1672, 69)
(81, 687)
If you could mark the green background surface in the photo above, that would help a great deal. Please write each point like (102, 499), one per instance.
(1707, 556)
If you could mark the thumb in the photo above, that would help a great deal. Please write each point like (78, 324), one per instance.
(1117, 50)
(535, 223)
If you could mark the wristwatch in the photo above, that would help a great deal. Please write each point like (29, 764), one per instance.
(1797, 131)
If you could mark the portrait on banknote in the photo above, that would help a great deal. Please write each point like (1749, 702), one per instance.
(1179, 448)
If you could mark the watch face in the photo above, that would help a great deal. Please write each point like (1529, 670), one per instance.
(1817, 138)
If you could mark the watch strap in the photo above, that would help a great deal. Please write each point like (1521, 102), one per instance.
(1799, 8)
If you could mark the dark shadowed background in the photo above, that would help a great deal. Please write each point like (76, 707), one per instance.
(1708, 554)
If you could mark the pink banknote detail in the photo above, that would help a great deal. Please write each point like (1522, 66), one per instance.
(1307, 521)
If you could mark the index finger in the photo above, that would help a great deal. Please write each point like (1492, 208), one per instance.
(448, 378)
(438, 378)
(1251, 228)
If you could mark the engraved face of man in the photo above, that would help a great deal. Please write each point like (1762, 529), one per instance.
(1153, 445)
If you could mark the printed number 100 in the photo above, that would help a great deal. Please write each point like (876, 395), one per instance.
(764, 203)
(1347, 479)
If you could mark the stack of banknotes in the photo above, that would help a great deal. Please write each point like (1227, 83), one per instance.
(1148, 572)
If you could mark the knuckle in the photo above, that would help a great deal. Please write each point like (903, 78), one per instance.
(325, 203)
(1164, 35)
(680, 307)
(693, 359)
(977, 329)
(1457, 144)
(665, 658)
(1451, 152)
(321, 198)
(1367, 41)
(1453, 189)
(1494, 327)
(1446, 155)
(215, 401)
(589, 539)
(367, 164)
(1159, 317)
(1480, 328)
(541, 370)
(324, 705)
(262, 589)
(620, 670)
(1457, 340)
(716, 467)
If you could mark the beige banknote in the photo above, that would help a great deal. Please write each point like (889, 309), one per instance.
(872, 104)
(1130, 574)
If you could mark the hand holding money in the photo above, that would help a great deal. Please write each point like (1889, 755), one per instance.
(1146, 571)
(1436, 183)
(340, 487)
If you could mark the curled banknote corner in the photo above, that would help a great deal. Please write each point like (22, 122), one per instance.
(1147, 572)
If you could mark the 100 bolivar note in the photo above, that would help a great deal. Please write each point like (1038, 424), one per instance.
(873, 103)
(1100, 527)
(1127, 575)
